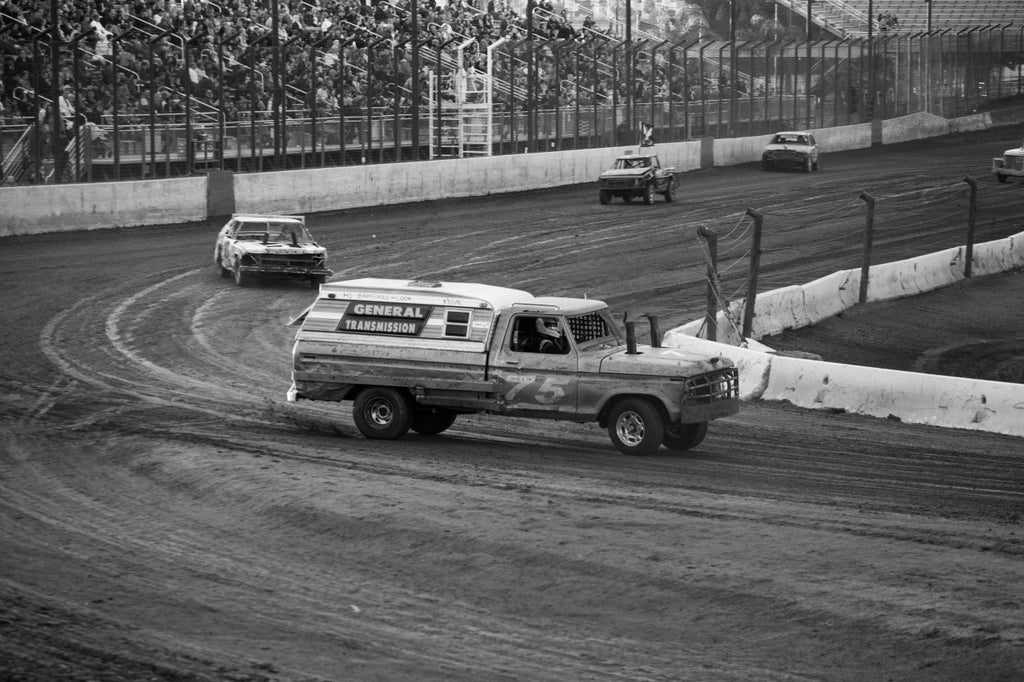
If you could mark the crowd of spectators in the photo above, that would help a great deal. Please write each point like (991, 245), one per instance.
(230, 61)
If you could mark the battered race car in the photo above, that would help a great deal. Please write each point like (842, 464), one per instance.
(791, 149)
(252, 245)
(637, 175)
(1010, 164)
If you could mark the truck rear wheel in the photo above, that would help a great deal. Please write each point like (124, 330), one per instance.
(382, 413)
(431, 421)
(685, 436)
(636, 427)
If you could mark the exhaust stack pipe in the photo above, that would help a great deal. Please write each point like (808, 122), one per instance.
(631, 338)
(655, 331)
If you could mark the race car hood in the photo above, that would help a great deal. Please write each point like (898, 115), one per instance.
(662, 362)
(624, 172)
(279, 247)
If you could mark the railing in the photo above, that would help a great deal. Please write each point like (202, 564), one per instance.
(832, 84)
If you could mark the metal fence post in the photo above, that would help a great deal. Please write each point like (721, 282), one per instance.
(711, 310)
(869, 230)
(972, 211)
(755, 266)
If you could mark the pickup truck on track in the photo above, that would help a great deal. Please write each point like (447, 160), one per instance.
(415, 355)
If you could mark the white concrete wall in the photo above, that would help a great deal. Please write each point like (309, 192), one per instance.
(916, 398)
(61, 208)
(328, 189)
(737, 150)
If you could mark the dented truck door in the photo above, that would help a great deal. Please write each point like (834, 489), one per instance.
(533, 379)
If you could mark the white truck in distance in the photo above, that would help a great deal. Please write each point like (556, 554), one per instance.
(415, 355)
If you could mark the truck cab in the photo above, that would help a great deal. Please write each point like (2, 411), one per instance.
(414, 355)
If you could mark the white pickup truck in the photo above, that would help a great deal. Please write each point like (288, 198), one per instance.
(414, 355)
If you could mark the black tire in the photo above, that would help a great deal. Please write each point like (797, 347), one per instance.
(627, 198)
(431, 421)
(242, 278)
(815, 165)
(382, 413)
(766, 165)
(685, 436)
(316, 280)
(606, 197)
(223, 271)
(649, 194)
(670, 191)
(636, 427)
(808, 165)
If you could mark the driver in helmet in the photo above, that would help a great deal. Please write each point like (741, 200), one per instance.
(550, 339)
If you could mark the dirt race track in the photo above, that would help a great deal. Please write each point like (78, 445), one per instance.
(165, 514)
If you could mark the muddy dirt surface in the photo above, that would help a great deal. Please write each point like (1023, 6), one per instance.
(165, 514)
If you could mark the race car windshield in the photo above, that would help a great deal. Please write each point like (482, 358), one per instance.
(631, 163)
(275, 231)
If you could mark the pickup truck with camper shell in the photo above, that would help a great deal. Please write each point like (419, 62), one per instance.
(416, 354)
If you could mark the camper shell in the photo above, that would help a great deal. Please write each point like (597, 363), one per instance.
(414, 355)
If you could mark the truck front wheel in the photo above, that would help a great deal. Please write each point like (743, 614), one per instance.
(636, 427)
(685, 436)
(605, 196)
(431, 421)
(382, 413)
(649, 193)
(242, 278)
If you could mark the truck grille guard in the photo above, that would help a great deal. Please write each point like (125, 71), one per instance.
(723, 384)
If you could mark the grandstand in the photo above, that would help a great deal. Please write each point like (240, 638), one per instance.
(849, 18)
(162, 87)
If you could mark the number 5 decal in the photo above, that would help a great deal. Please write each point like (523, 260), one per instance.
(551, 390)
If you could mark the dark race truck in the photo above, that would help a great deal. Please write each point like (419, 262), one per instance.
(415, 355)
(637, 176)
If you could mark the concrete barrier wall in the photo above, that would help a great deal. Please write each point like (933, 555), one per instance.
(737, 150)
(915, 275)
(921, 125)
(328, 189)
(843, 138)
(36, 209)
(911, 397)
(999, 256)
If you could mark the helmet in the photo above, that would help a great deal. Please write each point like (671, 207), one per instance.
(548, 327)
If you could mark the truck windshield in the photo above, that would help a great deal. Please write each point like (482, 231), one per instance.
(593, 329)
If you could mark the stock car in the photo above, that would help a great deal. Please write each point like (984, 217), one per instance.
(791, 149)
(637, 175)
(252, 245)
